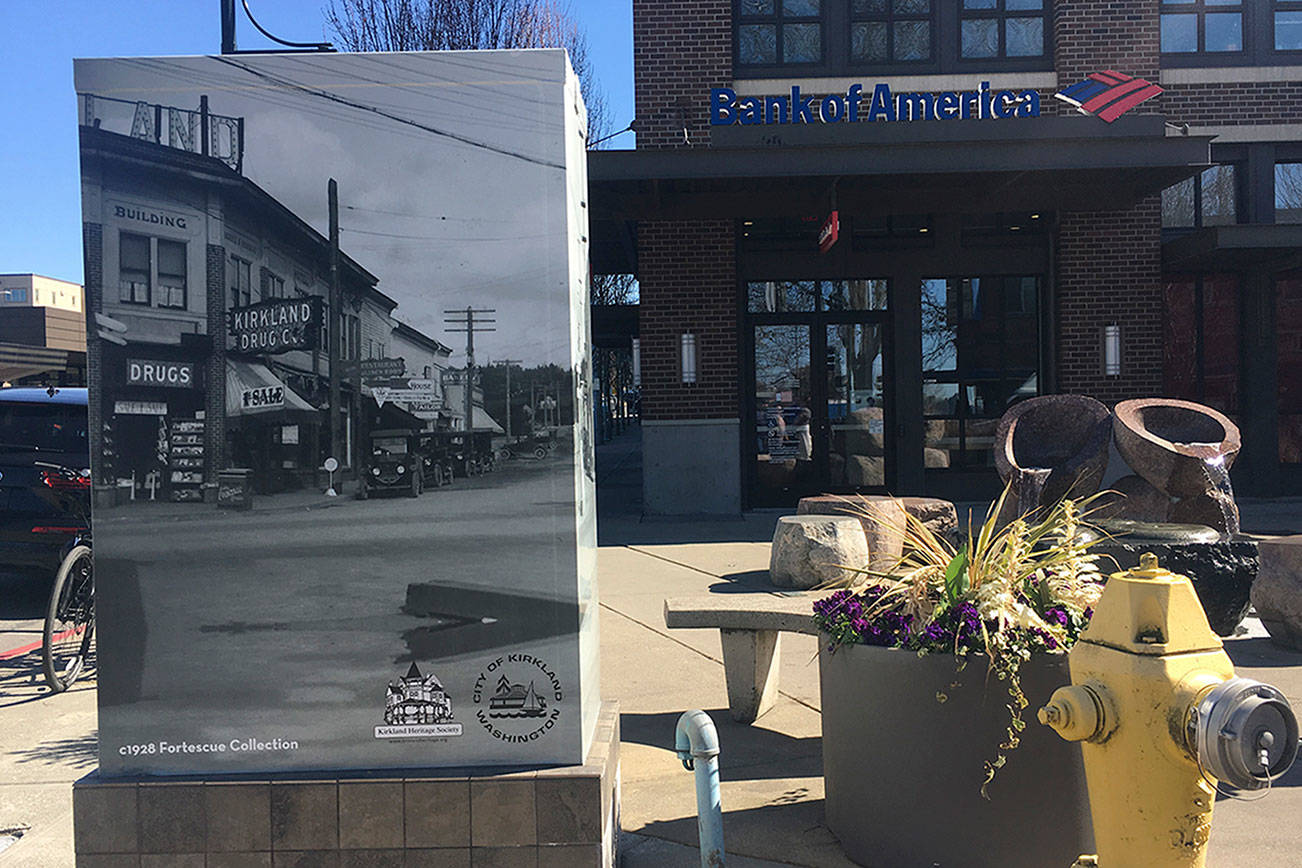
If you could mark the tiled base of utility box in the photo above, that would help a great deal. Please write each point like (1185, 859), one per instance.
(550, 818)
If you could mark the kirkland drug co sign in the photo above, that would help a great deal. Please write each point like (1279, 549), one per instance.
(859, 105)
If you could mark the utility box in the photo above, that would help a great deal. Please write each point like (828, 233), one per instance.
(286, 254)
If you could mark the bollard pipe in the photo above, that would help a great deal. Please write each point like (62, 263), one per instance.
(697, 744)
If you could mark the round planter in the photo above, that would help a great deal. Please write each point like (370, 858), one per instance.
(903, 770)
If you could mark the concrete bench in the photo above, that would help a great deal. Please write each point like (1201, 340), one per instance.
(751, 626)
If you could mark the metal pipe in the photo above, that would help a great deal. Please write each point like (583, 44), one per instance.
(696, 739)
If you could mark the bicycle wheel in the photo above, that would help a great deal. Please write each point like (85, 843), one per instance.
(70, 620)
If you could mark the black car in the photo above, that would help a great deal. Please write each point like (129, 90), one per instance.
(44, 475)
(393, 465)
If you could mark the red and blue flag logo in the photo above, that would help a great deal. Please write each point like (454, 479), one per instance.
(1109, 94)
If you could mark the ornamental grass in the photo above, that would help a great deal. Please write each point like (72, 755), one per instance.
(1004, 592)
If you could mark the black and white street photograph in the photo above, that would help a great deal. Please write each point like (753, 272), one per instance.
(339, 410)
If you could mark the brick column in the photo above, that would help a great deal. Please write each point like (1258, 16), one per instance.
(681, 48)
(1109, 271)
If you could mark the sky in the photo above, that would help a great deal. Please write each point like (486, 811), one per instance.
(40, 225)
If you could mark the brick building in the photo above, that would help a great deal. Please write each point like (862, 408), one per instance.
(1030, 197)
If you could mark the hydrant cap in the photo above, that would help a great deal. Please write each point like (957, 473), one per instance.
(1246, 733)
(1151, 611)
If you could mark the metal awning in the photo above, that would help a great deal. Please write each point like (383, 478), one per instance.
(1235, 248)
(252, 391)
(1038, 164)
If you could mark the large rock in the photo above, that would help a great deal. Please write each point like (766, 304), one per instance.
(881, 516)
(940, 516)
(1277, 592)
(1136, 499)
(865, 470)
(1169, 442)
(813, 550)
(1052, 447)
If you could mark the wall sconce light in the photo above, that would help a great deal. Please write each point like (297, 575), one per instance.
(637, 362)
(688, 358)
(1112, 350)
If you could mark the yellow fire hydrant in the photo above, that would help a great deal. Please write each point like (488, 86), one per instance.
(1163, 719)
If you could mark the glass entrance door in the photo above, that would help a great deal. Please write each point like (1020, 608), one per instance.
(817, 353)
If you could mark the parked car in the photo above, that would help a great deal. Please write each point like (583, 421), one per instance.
(44, 474)
(436, 459)
(394, 464)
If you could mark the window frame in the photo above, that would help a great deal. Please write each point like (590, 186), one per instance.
(1002, 14)
(778, 20)
(239, 293)
(148, 270)
(1241, 205)
(837, 19)
(890, 17)
(165, 291)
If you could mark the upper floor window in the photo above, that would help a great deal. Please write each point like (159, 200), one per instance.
(890, 31)
(133, 269)
(916, 36)
(1001, 28)
(13, 295)
(1201, 26)
(171, 274)
(1288, 25)
(779, 32)
(241, 282)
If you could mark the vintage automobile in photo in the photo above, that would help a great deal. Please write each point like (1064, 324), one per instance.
(436, 459)
(393, 465)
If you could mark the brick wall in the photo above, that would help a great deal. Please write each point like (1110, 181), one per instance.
(92, 251)
(1109, 267)
(1276, 102)
(688, 283)
(681, 48)
(214, 430)
(1093, 35)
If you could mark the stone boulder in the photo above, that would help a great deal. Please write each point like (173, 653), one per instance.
(940, 516)
(1213, 509)
(881, 516)
(1136, 499)
(1277, 592)
(813, 550)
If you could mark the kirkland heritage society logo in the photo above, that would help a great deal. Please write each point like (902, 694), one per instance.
(417, 706)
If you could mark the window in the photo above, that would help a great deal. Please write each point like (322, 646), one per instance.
(1209, 199)
(272, 286)
(1288, 25)
(771, 32)
(1288, 192)
(980, 354)
(806, 296)
(885, 31)
(13, 295)
(1002, 28)
(133, 269)
(1212, 26)
(241, 282)
(350, 336)
(171, 274)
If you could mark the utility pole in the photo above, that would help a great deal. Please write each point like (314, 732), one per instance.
(509, 363)
(335, 320)
(468, 324)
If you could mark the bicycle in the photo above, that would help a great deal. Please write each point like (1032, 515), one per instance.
(70, 617)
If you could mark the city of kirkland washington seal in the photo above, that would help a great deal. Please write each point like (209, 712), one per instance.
(417, 706)
(517, 697)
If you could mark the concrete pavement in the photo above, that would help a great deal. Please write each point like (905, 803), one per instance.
(771, 771)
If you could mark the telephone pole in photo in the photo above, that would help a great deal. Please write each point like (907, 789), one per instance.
(334, 320)
(508, 363)
(470, 321)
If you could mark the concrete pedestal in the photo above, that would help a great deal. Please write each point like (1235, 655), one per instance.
(566, 816)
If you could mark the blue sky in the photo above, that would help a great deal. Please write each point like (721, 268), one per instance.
(40, 226)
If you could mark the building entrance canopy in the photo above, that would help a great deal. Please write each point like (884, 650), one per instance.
(1045, 164)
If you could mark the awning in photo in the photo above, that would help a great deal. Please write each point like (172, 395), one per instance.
(252, 391)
